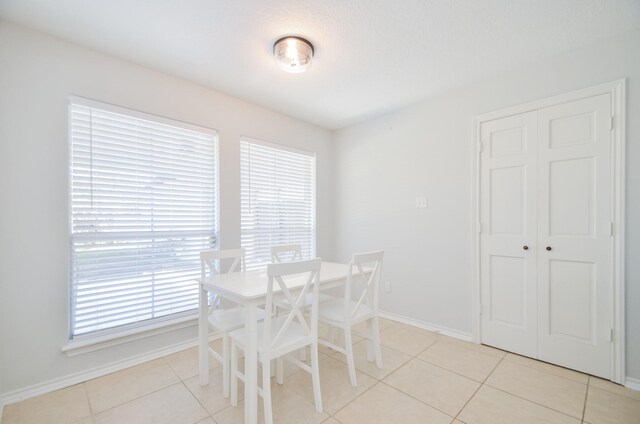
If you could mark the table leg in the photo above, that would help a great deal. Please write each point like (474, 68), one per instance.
(203, 333)
(251, 364)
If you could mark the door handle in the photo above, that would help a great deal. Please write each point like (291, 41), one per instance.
(548, 247)
(525, 247)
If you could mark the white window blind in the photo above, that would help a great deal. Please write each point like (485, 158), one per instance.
(277, 192)
(143, 205)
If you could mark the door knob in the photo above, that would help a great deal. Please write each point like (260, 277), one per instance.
(525, 247)
(548, 247)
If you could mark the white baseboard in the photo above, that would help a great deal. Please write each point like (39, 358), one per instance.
(632, 383)
(76, 378)
(427, 326)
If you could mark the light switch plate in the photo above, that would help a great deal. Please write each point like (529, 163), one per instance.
(421, 202)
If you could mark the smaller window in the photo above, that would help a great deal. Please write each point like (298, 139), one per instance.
(277, 194)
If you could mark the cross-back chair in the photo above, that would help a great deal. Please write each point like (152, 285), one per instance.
(363, 280)
(286, 253)
(279, 336)
(223, 321)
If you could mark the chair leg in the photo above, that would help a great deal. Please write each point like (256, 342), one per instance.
(280, 370)
(370, 341)
(225, 365)
(266, 393)
(348, 345)
(330, 333)
(303, 354)
(376, 341)
(315, 377)
(234, 374)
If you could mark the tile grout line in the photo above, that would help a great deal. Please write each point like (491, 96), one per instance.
(386, 375)
(408, 394)
(534, 402)
(139, 397)
(86, 391)
(353, 400)
(332, 417)
(171, 368)
(586, 396)
(448, 370)
(445, 341)
(439, 336)
(403, 365)
(455, 372)
(389, 347)
(531, 401)
(546, 372)
(479, 387)
(419, 400)
(194, 375)
(312, 403)
(379, 381)
(197, 400)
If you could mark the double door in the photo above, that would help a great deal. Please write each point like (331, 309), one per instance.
(545, 242)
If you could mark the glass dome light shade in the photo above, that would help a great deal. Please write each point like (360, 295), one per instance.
(293, 54)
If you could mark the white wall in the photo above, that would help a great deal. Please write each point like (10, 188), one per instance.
(37, 73)
(383, 164)
(380, 167)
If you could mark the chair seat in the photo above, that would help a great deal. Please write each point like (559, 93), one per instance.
(308, 298)
(293, 336)
(334, 311)
(226, 320)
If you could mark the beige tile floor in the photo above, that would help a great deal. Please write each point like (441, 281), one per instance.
(426, 378)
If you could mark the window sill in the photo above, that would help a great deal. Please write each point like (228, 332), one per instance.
(91, 344)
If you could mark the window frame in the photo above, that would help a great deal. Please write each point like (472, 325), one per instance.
(290, 149)
(90, 341)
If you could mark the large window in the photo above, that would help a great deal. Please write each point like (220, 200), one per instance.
(143, 205)
(277, 200)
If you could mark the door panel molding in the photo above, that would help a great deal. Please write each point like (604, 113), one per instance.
(509, 221)
(575, 307)
(617, 90)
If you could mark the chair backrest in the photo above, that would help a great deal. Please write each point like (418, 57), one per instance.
(364, 268)
(286, 252)
(279, 273)
(211, 260)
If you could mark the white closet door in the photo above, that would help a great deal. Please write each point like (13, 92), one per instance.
(508, 220)
(574, 244)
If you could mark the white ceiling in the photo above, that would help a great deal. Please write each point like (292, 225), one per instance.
(372, 56)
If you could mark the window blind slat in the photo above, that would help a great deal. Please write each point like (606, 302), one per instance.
(276, 200)
(143, 205)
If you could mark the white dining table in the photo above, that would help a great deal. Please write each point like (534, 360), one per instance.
(249, 289)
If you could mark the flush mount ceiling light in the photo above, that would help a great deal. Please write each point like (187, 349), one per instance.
(293, 54)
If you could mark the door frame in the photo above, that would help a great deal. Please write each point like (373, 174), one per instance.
(617, 90)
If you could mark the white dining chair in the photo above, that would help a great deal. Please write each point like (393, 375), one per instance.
(223, 321)
(286, 253)
(363, 279)
(279, 336)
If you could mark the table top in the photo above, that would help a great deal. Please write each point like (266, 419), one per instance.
(252, 284)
